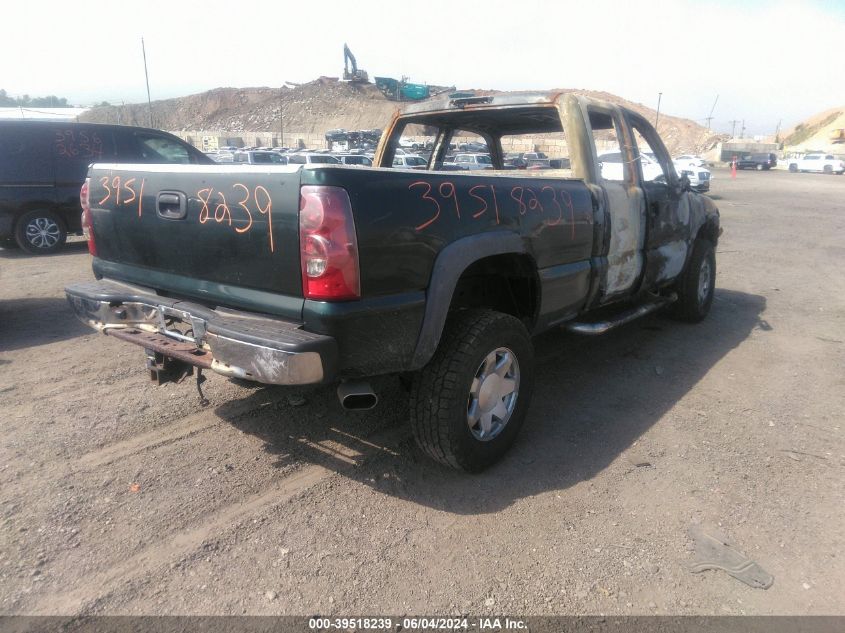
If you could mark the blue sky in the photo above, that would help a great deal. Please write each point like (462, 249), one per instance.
(768, 60)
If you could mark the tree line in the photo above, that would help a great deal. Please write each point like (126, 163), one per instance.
(50, 101)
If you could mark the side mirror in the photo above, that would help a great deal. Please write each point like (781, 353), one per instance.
(685, 183)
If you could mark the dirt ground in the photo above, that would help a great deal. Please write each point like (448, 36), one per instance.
(120, 497)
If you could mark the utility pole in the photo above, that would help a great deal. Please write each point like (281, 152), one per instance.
(777, 131)
(281, 121)
(710, 118)
(742, 134)
(147, 77)
(733, 127)
(657, 116)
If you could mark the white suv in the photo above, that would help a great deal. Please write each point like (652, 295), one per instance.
(825, 163)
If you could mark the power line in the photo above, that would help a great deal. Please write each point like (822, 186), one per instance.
(710, 118)
(147, 77)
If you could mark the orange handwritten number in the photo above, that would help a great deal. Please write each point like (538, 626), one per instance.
(116, 184)
(557, 204)
(267, 209)
(243, 206)
(141, 198)
(569, 204)
(495, 202)
(204, 212)
(478, 214)
(452, 194)
(128, 186)
(428, 197)
(104, 181)
(522, 207)
(534, 203)
(219, 215)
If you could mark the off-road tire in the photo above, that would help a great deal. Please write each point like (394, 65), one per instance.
(691, 306)
(52, 243)
(440, 392)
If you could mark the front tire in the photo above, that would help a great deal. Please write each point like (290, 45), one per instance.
(759, 168)
(793, 168)
(470, 401)
(40, 232)
(697, 285)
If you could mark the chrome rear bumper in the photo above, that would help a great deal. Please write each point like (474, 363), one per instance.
(231, 343)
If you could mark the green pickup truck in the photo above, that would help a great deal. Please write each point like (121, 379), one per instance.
(293, 275)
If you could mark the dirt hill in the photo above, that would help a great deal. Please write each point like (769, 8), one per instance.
(822, 132)
(325, 104)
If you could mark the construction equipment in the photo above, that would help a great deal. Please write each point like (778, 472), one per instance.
(355, 75)
(401, 90)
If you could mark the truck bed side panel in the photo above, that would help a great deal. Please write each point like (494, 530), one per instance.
(405, 218)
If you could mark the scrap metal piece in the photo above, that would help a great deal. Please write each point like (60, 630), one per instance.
(715, 551)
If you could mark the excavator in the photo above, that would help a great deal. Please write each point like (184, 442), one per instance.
(356, 75)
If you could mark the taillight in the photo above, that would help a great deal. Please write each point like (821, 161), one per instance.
(87, 224)
(327, 245)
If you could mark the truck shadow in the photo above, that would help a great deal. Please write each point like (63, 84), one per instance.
(593, 398)
(37, 321)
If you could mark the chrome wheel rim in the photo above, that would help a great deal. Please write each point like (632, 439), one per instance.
(493, 394)
(43, 233)
(704, 277)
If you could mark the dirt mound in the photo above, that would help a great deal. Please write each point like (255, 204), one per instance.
(324, 104)
(818, 133)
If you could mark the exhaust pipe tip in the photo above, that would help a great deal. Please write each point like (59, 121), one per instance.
(356, 396)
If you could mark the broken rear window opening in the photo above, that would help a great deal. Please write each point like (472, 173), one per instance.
(512, 138)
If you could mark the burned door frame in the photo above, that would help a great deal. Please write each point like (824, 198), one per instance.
(623, 204)
(667, 234)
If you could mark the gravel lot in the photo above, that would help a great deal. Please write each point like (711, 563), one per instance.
(120, 497)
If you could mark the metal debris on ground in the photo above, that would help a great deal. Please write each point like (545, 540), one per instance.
(715, 551)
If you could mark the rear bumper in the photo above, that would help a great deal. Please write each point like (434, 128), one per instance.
(231, 343)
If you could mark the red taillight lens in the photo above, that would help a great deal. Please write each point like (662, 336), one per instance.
(87, 224)
(327, 245)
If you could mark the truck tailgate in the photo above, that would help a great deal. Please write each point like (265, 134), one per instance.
(232, 226)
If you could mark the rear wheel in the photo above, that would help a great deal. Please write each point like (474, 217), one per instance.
(696, 287)
(469, 402)
(793, 167)
(759, 168)
(40, 232)
(828, 169)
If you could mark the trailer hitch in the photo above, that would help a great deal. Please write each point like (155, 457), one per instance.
(164, 369)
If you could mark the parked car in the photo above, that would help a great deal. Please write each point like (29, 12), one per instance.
(312, 158)
(699, 177)
(471, 161)
(611, 165)
(690, 161)
(43, 165)
(259, 157)
(355, 159)
(473, 147)
(409, 161)
(759, 162)
(330, 275)
(825, 163)
(221, 156)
